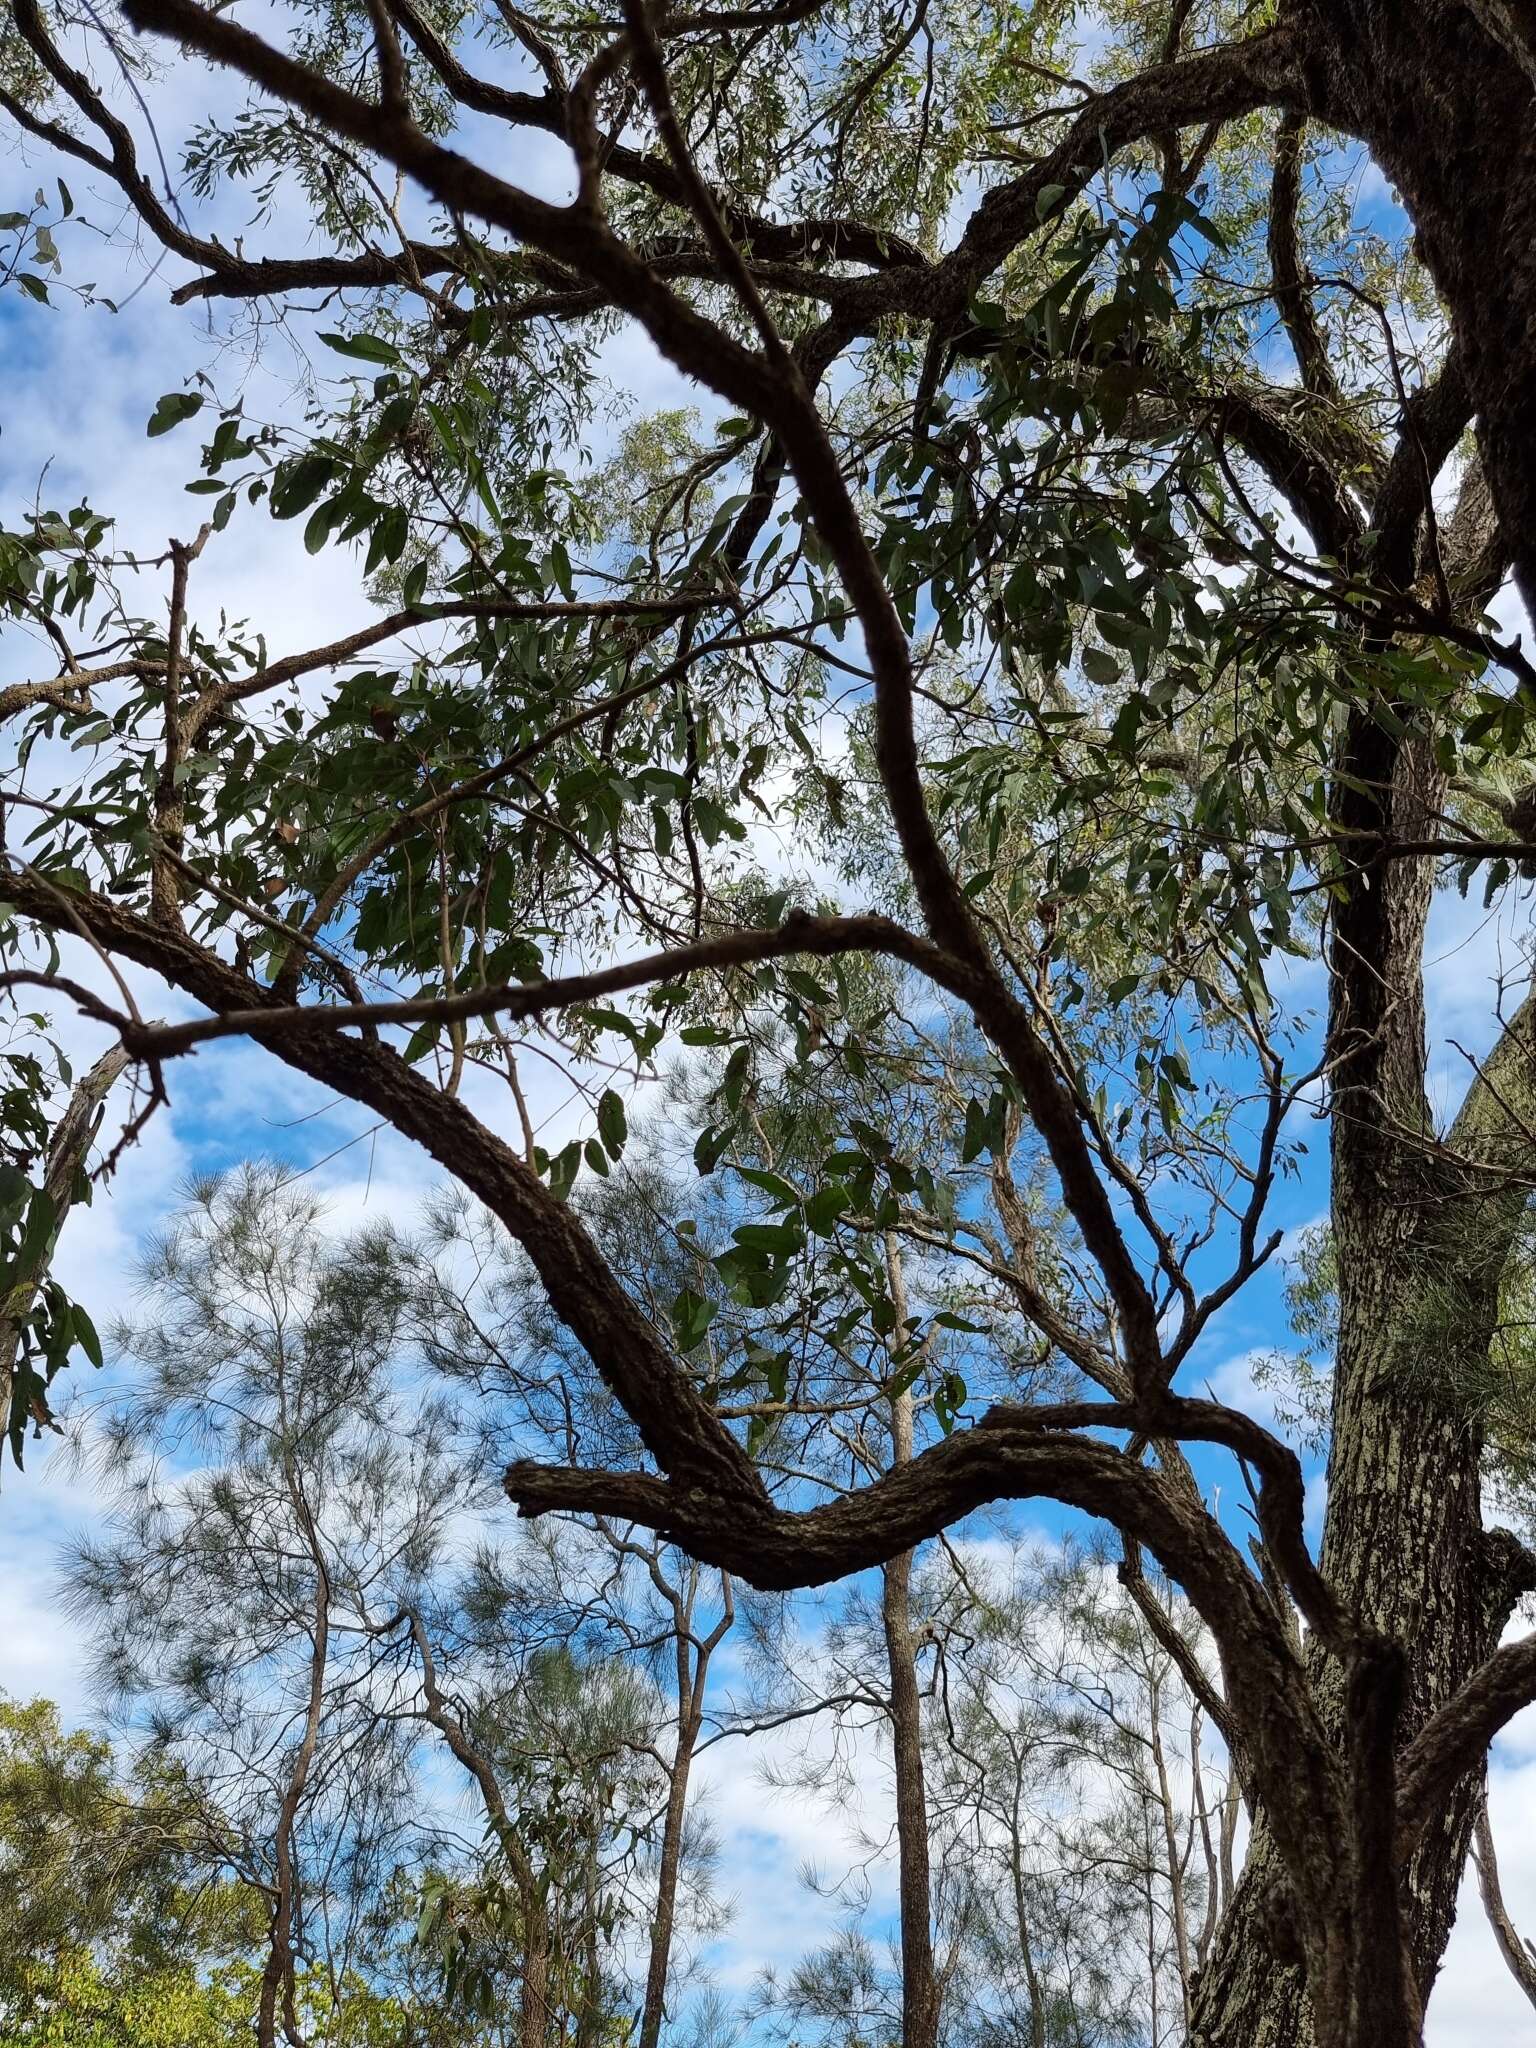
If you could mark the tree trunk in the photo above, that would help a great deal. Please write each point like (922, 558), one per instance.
(663, 1921)
(1421, 1245)
(1443, 99)
(534, 2015)
(919, 1981)
(693, 1659)
(919, 1987)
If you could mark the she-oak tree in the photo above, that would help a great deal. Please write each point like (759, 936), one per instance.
(1157, 658)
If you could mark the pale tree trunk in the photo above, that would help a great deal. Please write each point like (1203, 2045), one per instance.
(1519, 1954)
(278, 1974)
(1173, 1860)
(693, 1655)
(919, 1981)
(1037, 2012)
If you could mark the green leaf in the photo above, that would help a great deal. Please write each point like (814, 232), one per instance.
(826, 1206)
(172, 409)
(691, 1318)
(86, 1337)
(299, 484)
(709, 1148)
(1099, 667)
(595, 1157)
(781, 1239)
(367, 348)
(785, 1195)
(612, 1124)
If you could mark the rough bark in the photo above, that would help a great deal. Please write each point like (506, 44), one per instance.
(1421, 1242)
(1441, 94)
(1421, 1247)
(1422, 1236)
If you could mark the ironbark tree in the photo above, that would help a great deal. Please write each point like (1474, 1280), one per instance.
(1359, 765)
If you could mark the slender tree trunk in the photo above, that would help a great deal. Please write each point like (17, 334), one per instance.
(1037, 2013)
(277, 1977)
(534, 2013)
(693, 1657)
(919, 1987)
(1174, 1863)
(533, 2027)
(1519, 1954)
(919, 1983)
(662, 1924)
(590, 2019)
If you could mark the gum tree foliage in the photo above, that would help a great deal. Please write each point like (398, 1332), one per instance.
(1072, 595)
(123, 1934)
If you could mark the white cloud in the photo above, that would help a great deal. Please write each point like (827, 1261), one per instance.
(1476, 1999)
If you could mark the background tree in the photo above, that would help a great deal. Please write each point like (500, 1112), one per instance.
(114, 1924)
(281, 1489)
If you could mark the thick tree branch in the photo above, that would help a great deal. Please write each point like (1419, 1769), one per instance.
(674, 1423)
(1455, 1740)
(1292, 288)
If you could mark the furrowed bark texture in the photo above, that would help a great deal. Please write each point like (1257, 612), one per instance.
(1421, 1244)
(1448, 111)
(1421, 1238)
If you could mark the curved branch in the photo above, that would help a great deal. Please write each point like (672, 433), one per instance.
(1519, 1955)
(1455, 1740)
(1292, 294)
(675, 1425)
(518, 1001)
(1434, 419)
(1017, 1455)
(1215, 85)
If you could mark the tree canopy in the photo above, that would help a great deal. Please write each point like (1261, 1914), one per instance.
(952, 797)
